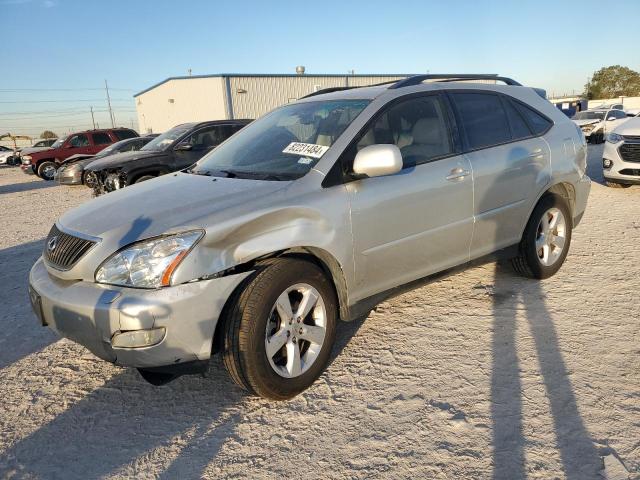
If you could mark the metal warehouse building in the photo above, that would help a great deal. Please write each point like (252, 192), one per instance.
(226, 96)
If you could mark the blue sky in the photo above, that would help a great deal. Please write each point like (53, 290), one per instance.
(65, 44)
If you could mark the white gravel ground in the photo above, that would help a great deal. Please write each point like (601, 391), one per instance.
(481, 374)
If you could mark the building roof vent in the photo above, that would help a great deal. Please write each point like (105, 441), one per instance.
(300, 69)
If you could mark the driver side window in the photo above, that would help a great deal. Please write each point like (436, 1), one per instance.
(416, 126)
(79, 141)
(204, 139)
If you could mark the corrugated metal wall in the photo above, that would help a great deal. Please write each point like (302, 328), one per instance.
(253, 96)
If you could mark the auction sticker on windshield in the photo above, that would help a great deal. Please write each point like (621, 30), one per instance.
(306, 149)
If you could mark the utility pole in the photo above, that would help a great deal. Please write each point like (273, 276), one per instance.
(113, 119)
(92, 119)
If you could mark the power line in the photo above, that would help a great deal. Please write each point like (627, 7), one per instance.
(61, 89)
(68, 101)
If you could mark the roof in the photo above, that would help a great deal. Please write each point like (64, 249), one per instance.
(277, 75)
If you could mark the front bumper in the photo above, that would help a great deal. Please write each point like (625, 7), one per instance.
(91, 314)
(27, 168)
(620, 171)
(65, 176)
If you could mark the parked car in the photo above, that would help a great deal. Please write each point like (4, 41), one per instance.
(5, 155)
(46, 162)
(621, 155)
(316, 212)
(40, 145)
(595, 124)
(174, 150)
(71, 171)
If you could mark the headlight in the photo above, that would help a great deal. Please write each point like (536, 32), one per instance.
(148, 264)
(588, 128)
(614, 138)
(26, 159)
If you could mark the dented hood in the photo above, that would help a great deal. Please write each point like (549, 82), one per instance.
(118, 159)
(586, 121)
(172, 202)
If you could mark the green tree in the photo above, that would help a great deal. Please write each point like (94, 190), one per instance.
(48, 134)
(612, 82)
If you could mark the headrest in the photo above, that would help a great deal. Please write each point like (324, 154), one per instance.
(427, 131)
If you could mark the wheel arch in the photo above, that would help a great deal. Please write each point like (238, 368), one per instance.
(318, 256)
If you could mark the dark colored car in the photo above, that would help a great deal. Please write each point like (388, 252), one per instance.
(71, 171)
(46, 162)
(174, 150)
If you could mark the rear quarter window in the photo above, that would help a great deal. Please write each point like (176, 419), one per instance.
(537, 122)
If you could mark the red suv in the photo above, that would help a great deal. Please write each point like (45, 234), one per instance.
(46, 162)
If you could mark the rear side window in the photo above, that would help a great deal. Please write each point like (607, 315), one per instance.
(124, 134)
(519, 128)
(483, 119)
(537, 122)
(101, 138)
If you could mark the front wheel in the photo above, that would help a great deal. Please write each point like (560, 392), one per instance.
(279, 332)
(546, 239)
(47, 170)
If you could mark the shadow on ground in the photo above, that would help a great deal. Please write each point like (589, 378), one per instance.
(21, 333)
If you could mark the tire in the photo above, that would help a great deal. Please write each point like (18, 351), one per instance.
(46, 170)
(533, 260)
(616, 185)
(144, 178)
(252, 318)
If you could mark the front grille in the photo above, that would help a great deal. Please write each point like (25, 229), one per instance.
(630, 152)
(62, 250)
(630, 171)
(631, 137)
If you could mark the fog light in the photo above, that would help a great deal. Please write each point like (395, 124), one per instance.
(138, 338)
(606, 163)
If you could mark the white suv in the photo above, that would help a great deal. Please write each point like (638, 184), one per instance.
(621, 156)
(597, 123)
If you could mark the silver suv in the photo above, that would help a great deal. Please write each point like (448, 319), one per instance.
(315, 212)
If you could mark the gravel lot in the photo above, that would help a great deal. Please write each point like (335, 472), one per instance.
(476, 375)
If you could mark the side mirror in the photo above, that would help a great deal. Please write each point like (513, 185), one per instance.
(378, 160)
(183, 147)
(611, 119)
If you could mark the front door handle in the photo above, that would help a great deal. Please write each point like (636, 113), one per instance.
(457, 174)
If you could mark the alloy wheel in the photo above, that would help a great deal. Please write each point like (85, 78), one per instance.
(296, 330)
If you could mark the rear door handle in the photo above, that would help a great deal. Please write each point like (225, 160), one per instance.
(457, 174)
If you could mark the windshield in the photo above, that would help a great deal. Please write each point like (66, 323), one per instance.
(284, 144)
(589, 116)
(58, 143)
(111, 148)
(162, 142)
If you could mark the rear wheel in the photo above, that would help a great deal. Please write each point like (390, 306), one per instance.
(46, 170)
(616, 185)
(279, 332)
(546, 239)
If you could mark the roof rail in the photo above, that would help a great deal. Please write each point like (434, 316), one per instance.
(452, 77)
(327, 90)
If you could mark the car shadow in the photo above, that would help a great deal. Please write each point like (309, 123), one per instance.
(20, 332)
(511, 295)
(26, 186)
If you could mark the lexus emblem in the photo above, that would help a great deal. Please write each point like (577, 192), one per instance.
(51, 244)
